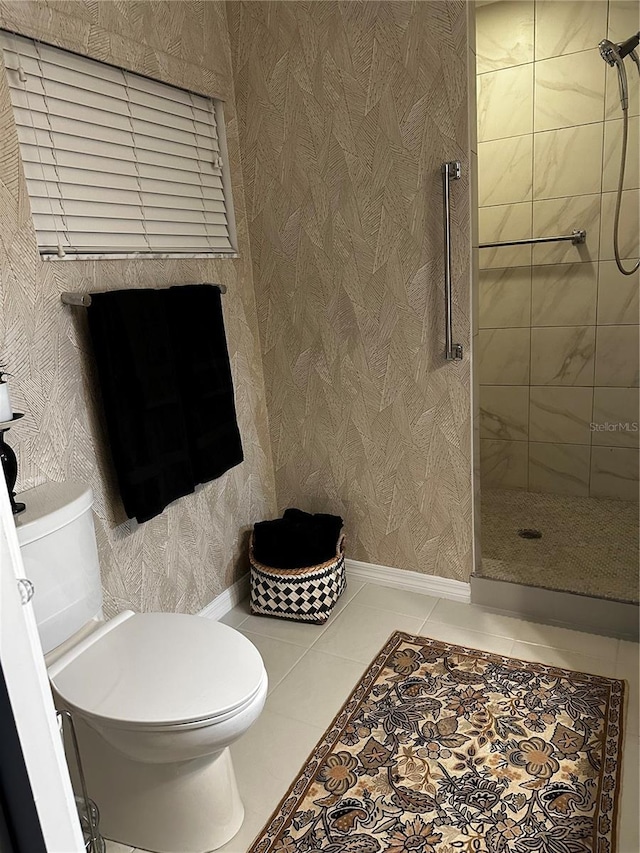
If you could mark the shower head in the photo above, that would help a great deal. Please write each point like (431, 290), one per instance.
(609, 52)
(614, 55)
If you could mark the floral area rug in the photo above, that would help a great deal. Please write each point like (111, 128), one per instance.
(446, 749)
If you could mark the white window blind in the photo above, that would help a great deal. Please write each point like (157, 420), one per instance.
(117, 164)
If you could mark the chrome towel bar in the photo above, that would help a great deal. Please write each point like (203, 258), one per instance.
(84, 299)
(450, 172)
(577, 236)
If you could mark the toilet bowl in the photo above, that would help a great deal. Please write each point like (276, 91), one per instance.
(157, 698)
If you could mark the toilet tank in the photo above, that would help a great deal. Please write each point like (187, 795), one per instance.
(58, 545)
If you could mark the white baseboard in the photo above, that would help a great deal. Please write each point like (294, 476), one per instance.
(368, 572)
(227, 600)
(405, 579)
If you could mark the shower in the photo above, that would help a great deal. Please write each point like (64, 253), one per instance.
(556, 348)
(614, 54)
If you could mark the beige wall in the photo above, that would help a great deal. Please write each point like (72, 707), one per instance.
(347, 111)
(180, 560)
(558, 339)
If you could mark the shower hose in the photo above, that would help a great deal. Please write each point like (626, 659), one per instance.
(616, 219)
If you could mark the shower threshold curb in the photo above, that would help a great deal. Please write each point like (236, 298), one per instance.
(553, 607)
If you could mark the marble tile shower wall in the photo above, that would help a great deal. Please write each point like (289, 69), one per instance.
(558, 324)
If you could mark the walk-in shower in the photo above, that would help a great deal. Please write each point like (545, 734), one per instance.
(614, 55)
(556, 345)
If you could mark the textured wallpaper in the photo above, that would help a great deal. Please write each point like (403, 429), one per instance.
(182, 559)
(346, 113)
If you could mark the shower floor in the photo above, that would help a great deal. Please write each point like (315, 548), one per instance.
(588, 545)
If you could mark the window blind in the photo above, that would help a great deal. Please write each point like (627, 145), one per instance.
(116, 163)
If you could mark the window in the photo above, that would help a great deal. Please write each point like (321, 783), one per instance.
(117, 164)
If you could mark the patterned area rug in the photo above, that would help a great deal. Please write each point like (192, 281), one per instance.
(446, 749)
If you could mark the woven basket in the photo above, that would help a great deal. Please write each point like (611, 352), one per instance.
(306, 594)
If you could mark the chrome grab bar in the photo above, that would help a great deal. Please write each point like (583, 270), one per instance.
(450, 172)
(577, 236)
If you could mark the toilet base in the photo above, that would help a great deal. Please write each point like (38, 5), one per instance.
(192, 806)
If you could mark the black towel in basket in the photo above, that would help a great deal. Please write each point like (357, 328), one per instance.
(297, 539)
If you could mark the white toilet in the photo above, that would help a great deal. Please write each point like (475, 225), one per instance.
(157, 697)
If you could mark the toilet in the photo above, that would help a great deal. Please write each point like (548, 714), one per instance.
(157, 698)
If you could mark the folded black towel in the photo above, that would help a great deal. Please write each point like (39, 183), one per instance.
(166, 386)
(328, 527)
(297, 540)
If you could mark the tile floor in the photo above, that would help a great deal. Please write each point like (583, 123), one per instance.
(312, 669)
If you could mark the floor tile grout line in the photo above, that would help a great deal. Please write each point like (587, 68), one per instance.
(334, 654)
(275, 639)
(289, 671)
(306, 647)
(244, 619)
(617, 660)
(323, 651)
(343, 657)
(609, 661)
(606, 659)
(284, 716)
(429, 619)
(428, 622)
(331, 622)
(298, 645)
(513, 641)
(509, 640)
(510, 636)
(322, 728)
(358, 591)
(396, 612)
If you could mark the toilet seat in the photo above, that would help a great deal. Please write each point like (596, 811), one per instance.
(160, 670)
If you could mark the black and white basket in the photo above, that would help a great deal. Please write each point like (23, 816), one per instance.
(306, 594)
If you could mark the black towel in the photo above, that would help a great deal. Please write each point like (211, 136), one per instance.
(297, 540)
(204, 379)
(327, 527)
(158, 385)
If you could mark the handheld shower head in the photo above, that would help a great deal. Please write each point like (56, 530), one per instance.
(614, 55)
(609, 52)
(611, 55)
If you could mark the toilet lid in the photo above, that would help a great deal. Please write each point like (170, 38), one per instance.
(155, 669)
